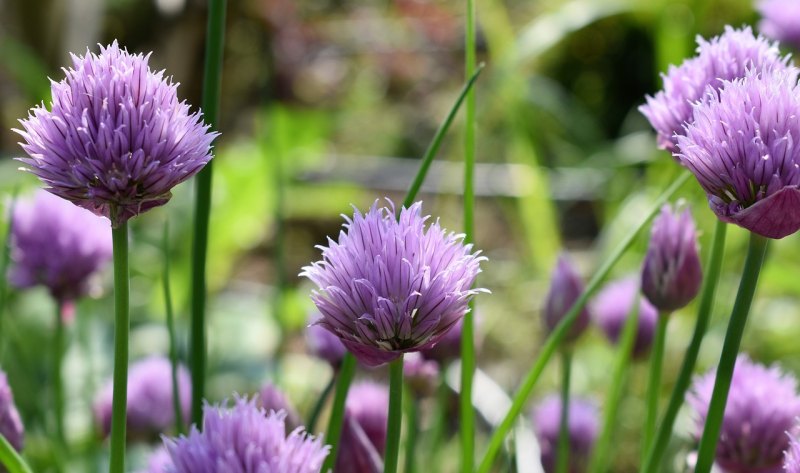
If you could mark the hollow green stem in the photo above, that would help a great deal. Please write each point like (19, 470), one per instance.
(173, 344)
(119, 402)
(616, 389)
(58, 381)
(713, 268)
(395, 419)
(5, 259)
(412, 431)
(654, 381)
(212, 78)
(324, 395)
(730, 350)
(558, 334)
(344, 378)
(11, 459)
(562, 460)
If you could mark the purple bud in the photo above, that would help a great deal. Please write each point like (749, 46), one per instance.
(582, 426)
(116, 139)
(761, 408)
(566, 287)
(363, 438)
(390, 285)
(58, 245)
(421, 375)
(150, 404)
(449, 346)
(612, 306)
(323, 344)
(272, 399)
(780, 20)
(671, 275)
(10, 423)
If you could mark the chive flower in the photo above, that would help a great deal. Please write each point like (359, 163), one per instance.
(566, 287)
(724, 57)
(780, 20)
(671, 274)
(390, 285)
(150, 403)
(159, 461)
(612, 306)
(271, 398)
(363, 440)
(449, 346)
(10, 423)
(762, 406)
(116, 139)
(791, 459)
(324, 345)
(245, 438)
(57, 245)
(741, 148)
(420, 374)
(582, 426)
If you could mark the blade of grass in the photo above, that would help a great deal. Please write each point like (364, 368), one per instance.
(11, 459)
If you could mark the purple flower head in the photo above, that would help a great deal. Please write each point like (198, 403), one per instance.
(391, 286)
(150, 404)
(116, 139)
(566, 287)
(363, 439)
(245, 439)
(10, 423)
(791, 458)
(612, 306)
(324, 344)
(761, 408)
(582, 425)
(272, 399)
(58, 245)
(725, 57)
(780, 20)
(421, 375)
(741, 148)
(671, 274)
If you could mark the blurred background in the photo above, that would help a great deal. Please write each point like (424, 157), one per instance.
(330, 103)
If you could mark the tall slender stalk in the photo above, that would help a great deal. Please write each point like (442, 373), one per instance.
(5, 259)
(173, 344)
(730, 350)
(58, 380)
(654, 381)
(562, 459)
(558, 334)
(656, 451)
(395, 419)
(412, 431)
(11, 459)
(212, 79)
(119, 402)
(344, 378)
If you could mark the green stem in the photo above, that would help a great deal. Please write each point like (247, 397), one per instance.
(212, 78)
(558, 334)
(11, 459)
(395, 418)
(440, 419)
(616, 390)
(4, 262)
(412, 431)
(121, 328)
(58, 381)
(730, 350)
(173, 344)
(315, 412)
(345, 377)
(562, 460)
(654, 381)
(714, 266)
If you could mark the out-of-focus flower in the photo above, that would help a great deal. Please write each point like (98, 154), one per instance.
(762, 407)
(671, 274)
(740, 147)
(324, 344)
(448, 347)
(582, 426)
(612, 306)
(725, 57)
(10, 423)
(116, 139)
(58, 245)
(780, 20)
(363, 439)
(421, 375)
(150, 405)
(245, 439)
(272, 399)
(566, 287)
(391, 286)
(159, 461)
(791, 459)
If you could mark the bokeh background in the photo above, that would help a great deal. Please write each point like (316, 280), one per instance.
(330, 103)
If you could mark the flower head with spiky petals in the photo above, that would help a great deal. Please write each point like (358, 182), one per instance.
(780, 20)
(744, 149)
(116, 139)
(725, 57)
(582, 426)
(671, 273)
(791, 457)
(762, 407)
(391, 286)
(245, 439)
